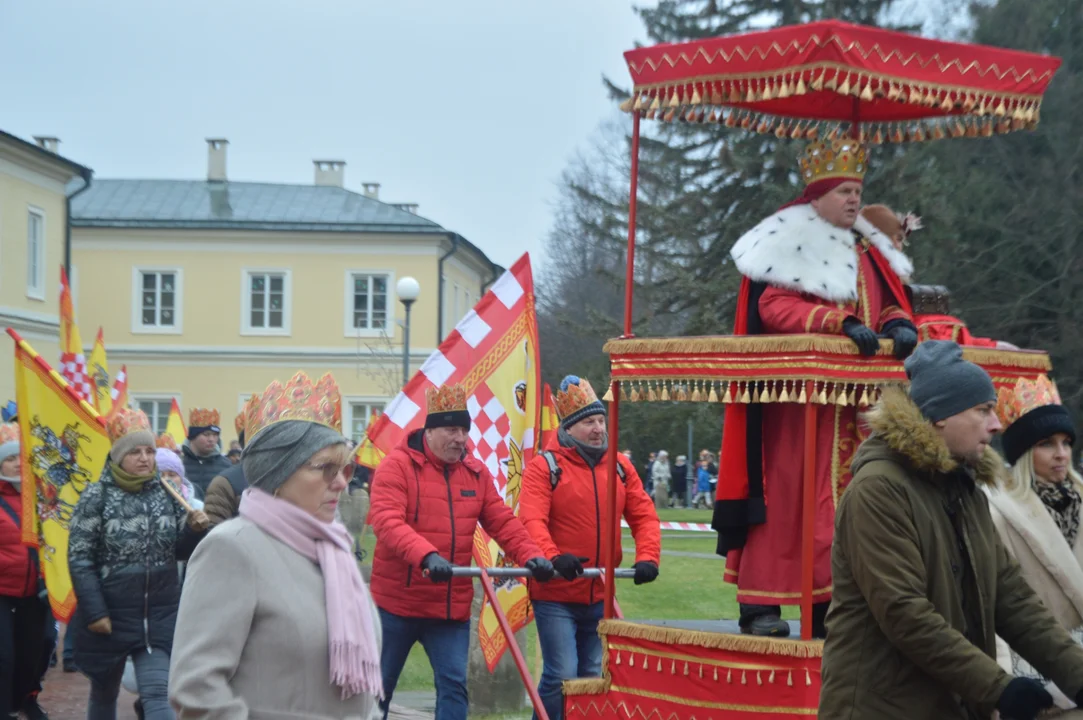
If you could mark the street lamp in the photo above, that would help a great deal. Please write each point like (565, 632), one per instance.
(407, 289)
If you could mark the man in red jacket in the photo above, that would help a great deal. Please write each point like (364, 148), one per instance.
(23, 614)
(562, 504)
(428, 496)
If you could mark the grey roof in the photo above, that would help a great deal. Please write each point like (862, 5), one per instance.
(197, 204)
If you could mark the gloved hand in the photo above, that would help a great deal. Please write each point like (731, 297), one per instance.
(437, 568)
(865, 339)
(904, 335)
(1023, 699)
(645, 572)
(540, 569)
(569, 566)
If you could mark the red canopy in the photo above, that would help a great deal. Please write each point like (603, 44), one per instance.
(799, 80)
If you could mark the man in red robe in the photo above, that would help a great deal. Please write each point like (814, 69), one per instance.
(814, 266)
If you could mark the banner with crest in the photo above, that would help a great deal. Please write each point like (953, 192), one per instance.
(64, 447)
(493, 353)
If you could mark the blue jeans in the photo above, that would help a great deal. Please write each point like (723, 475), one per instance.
(446, 642)
(571, 648)
(152, 676)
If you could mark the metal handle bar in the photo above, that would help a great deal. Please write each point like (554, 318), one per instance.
(506, 572)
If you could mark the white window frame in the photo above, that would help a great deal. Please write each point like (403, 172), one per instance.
(160, 398)
(347, 411)
(138, 328)
(246, 302)
(347, 305)
(36, 290)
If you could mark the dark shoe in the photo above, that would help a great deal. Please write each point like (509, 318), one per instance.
(767, 626)
(32, 711)
(138, 705)
(70, 666)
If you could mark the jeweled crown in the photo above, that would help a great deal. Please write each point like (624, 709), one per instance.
(204, 417)
(9, 432)
(841, 158)
(445, 399)
(574, 398)
(1026, 395)
(299, 399)
(241, 421)
(166, 441)
(126, 421)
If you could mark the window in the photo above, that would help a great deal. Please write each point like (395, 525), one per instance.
(367, 301)
(157, 410)
(35, 254)
(266, 302)
(360, 414)
(156, 300)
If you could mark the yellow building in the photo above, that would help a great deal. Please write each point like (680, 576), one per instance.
(33, 232)
(207, 290)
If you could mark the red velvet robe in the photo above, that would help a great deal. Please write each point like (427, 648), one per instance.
(767, 570)
(946, 327)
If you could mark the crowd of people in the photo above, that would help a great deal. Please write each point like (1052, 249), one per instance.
(679, 485)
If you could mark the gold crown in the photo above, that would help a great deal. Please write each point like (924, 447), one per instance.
(166, 441)
(299, 399)
(202, 417)
(841, 158)
(126, 421)
(1026, 395)
(445, 399)
(576, 397)
(9, 432)
(241, 421)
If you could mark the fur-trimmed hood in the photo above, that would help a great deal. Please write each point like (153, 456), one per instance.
(898, 422)
(798, 250)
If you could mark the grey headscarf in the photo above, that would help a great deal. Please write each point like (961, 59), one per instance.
(277, 451)
(593, 455)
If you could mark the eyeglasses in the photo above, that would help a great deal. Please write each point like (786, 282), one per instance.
(329, 470)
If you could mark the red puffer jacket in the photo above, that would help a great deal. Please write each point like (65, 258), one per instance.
(420, 505)
(18, 563)
(572, 519)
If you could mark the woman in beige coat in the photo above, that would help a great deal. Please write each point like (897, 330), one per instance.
(1036, 508)
(275, 621)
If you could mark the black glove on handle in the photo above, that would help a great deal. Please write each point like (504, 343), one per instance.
(865, 339)
(437, 568)
(540, 569)
(1023, 699)
(905, 336)
(569, 566)
(645, 572)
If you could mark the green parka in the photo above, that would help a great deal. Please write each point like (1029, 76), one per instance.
(922, 585)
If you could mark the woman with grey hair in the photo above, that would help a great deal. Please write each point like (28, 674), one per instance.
(276, 621)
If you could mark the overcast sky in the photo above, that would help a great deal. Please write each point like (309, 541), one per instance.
(471, 109)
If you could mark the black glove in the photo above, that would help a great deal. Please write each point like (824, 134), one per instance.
(540, 569)
(645, 572)
(904, 335)
(437, 568)
(569, 566)
(867, 342)
(1023, 699)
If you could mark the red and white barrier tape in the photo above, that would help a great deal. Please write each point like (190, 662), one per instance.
(687, 527)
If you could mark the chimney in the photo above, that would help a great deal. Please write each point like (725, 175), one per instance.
(330, 173)
(216, 159)
(371, 190)
(47, 142)
(408, 207)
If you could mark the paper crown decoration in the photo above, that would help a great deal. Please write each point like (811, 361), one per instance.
(841, 158)
(203, 417)
(1026, 395)
(9, 432)
(299, 399)
(126, 421)
(445, 399)
(576, 397)
(241, 421)
(166, 441)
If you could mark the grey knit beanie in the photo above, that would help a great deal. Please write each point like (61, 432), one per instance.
(277, 451)
(943, 384)
(125, 444)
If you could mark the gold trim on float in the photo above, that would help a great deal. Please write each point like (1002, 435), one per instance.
(733, 707)
(586, 686)
(720, 641)
(639, 650)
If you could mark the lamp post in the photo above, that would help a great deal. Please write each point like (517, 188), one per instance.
(407, 289)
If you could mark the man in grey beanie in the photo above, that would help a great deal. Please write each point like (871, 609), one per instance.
(922, 583)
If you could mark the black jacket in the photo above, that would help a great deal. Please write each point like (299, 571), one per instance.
(201, 470)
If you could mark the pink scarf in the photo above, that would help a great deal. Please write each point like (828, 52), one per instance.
(355, 659)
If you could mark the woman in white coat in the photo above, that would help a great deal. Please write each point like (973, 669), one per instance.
(1036, 508)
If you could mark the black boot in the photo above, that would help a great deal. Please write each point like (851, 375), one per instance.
(763, 621)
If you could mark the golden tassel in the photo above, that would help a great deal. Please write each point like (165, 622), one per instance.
(713, 117)
(696, 395)
(812, 133)
(624, 391)
(701, 672)
(690, 116)
(1001, 110)
(938, 133)
(627, 105)
(727, 398)
(708, 94)
(656, 104)
(631, 660)
(864, 402)
(696, 99)
(713, 395)
(852, 400)
(844, 89)
(789, 680)
(731, 119)
(898, 136)
(893, 92)
(836, 133)
(826, 399)
(644, 662)
(987, 128)
(843, 400)
(746, 398)
(652, 396)
(808, 678)
(818, 83)
(716, 674)
(746, 121)
(618, 657)
(957, 129)
(651, 114)
(866, 94)
(785, 91)
(801, 89)
(918, 135)
(981, 108)
(659, 668)
(915, 96)
(759, 678)
(736, 96)
(773, 397)
(635, 394)
(972, 130)
(802, 398)
(675, 99)
(833, 83)
(744, 677)
(771, 677)
(665, 392)
(784, 396)
(686, 668)
(781, 131)
(670, 115)
(947, 105)
(969, 102)
(750, 97)
(638, 104)
(764, 127)
(672, 667)
(878, 137)
(930, 99)
(608, 397)
(768, 91)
